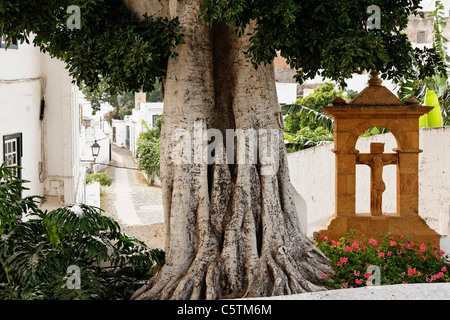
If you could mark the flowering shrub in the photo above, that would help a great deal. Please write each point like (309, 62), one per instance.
(399, 261)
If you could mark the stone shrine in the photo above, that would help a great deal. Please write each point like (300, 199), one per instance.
(376, 106)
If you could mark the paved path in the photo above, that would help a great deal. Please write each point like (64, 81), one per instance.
(136, 206)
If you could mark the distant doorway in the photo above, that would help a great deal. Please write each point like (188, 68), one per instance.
(128, 137)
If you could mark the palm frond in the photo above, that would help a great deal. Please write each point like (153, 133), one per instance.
(303, 112)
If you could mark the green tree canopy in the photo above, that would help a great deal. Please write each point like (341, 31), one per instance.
(328, 38)
(111, 45)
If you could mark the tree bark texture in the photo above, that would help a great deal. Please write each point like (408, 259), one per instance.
(231, 230)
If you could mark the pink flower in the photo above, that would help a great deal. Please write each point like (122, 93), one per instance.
(411, 271)
(444, 269)
(405, 282)
(422, 248)
(344, 286)
(347, 248)
(359, 281)
(373, 241)
(356, 273)
(435, 277)
(324, 276)
(389, 253)
(392, 243)
(442, 252)
(343, 260)
(381, 254)
(334, 243)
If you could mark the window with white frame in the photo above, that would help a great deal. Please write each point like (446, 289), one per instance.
(12, 152)
(421, 37)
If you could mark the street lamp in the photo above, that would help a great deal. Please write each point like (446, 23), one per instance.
(95, 150)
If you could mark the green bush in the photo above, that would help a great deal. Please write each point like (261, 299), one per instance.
(307, 138)
(102, 177)
(35, 254)
(399, 261)
(148, 151)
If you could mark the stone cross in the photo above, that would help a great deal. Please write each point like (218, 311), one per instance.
(376, 160)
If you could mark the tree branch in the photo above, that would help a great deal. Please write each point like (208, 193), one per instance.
(155, 8)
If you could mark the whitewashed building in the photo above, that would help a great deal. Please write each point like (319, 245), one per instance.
(95, 129)
(126, 132)
(40, 124)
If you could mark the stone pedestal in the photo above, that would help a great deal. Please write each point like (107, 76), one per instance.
(411, 227)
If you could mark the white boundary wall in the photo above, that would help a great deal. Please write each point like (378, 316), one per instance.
(313, 176)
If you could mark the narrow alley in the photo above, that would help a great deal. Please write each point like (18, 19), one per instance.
(136, 206)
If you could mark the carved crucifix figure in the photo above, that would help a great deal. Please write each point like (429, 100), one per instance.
(376, 160)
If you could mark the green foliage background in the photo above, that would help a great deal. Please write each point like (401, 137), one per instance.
(112, 45)
(148, 151)
(102, 177)
(328, 38)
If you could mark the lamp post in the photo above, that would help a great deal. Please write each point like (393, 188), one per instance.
(95, 150)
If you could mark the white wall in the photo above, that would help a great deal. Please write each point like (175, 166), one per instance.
(358, 82)
(313, 176)
(287, 93)
(120, 128)
(89, 136)
(20, 99)
(62, 118)
(50, 147)
(146, 113)
(430, 5)
(19, 113)
(22, 63)
(136, 127)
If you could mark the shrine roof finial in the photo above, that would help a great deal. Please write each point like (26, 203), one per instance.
(375, 79)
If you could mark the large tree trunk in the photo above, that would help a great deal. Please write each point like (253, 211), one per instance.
(231, 226)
